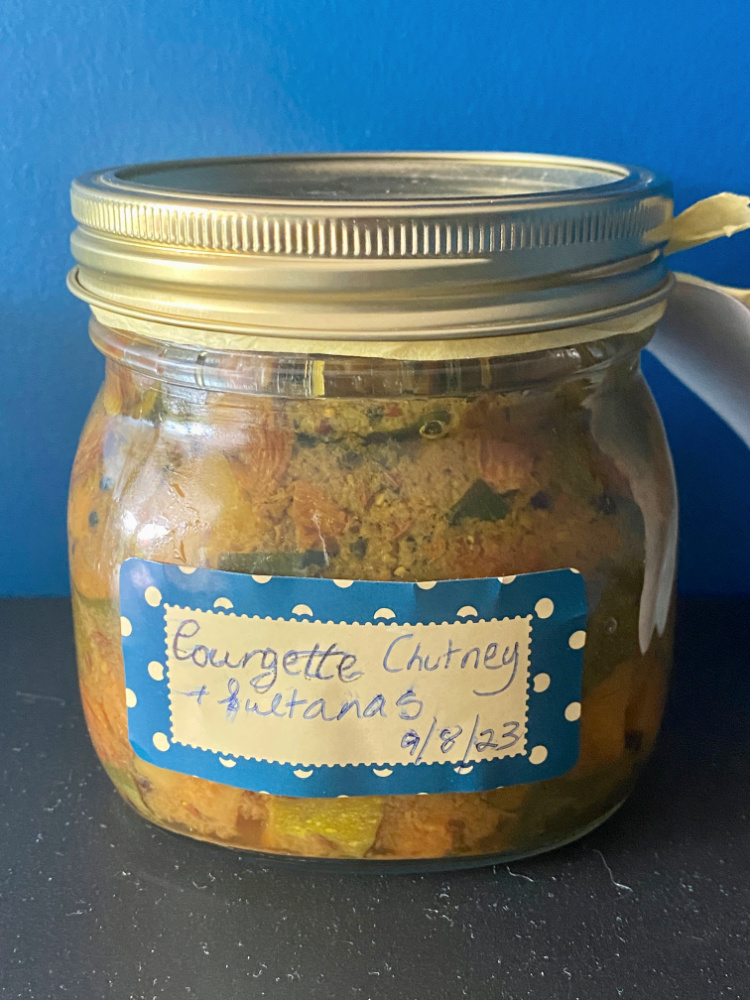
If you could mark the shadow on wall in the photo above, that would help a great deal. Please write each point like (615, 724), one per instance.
(713, 469)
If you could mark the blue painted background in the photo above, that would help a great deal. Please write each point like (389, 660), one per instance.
(92, 83)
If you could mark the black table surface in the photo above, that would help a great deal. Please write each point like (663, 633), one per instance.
(97, 903)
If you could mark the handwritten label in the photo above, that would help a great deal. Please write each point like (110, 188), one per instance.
(299, 692)
(315, 687)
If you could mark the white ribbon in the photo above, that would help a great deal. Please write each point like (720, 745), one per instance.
(704, 339)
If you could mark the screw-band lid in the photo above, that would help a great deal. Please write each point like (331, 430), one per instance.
(367, 246)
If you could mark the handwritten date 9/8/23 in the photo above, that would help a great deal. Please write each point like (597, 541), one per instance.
(447, 737)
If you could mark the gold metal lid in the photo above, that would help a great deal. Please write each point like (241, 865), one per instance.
(362, 247)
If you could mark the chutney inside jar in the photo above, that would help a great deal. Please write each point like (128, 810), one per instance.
(467, 470)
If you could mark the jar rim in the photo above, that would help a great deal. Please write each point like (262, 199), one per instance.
(306, 376)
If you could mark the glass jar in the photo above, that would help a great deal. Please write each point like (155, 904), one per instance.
(391, 585)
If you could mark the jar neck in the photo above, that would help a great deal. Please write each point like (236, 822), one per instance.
(298, 376)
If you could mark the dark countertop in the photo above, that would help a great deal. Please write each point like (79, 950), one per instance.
(96, 903)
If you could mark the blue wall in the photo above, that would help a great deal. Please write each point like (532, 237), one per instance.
(91, 83)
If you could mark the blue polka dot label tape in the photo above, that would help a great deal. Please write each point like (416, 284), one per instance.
(320, 688)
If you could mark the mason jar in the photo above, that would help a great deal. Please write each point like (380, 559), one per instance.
(373, 521)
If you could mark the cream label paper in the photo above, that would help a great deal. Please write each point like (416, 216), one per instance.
(299, 692)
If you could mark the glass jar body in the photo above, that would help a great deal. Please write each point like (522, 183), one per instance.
(362, 469)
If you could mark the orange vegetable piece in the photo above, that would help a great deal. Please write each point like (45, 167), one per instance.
(629, 700)
(103, 697)
(318, 521)
(603, 720)
(647, 699)
(263, 460)
(504, 465)
(204, 808)
(423, 826)
(418, 826)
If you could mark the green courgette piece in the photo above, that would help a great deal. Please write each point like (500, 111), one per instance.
(555, 809)
(358, 548)
(612, 631)
(106, 607)
(431, 425)
(483, 503)
(126, 785)
(273, 563)
(151, 406)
